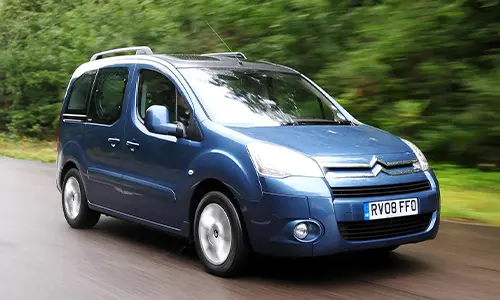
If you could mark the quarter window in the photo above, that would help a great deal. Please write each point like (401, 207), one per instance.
(79, 94)
(156, 89)
(107, 99)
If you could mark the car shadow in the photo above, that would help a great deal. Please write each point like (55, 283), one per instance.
(335, 269)
(338, 268)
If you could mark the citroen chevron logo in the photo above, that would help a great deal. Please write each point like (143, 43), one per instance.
(378, 169)
(378, 165)
(375, 167)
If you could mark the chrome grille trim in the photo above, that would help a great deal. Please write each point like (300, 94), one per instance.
(371, 173)
(375, 160)
(373, 168)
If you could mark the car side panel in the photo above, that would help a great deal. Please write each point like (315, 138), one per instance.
(70, 149)
(225, 159)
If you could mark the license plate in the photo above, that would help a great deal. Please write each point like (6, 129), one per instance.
(390, 209)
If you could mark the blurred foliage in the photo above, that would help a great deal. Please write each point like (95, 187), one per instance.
(426, 70)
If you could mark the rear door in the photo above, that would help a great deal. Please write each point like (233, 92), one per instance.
(104, 137)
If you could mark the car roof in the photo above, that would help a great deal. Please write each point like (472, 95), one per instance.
(224, 60)
(215, 61)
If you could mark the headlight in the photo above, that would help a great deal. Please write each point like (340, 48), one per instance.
(424, 165)
(280, 162)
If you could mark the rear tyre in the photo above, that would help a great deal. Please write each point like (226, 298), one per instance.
(219, 236)
(74, 202)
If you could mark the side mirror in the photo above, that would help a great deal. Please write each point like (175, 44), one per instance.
(157, 121)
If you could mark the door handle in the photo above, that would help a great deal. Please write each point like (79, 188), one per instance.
(132, 145)
(113, 141)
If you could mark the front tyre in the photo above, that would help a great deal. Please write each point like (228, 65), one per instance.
(74, 202)
(219, 236)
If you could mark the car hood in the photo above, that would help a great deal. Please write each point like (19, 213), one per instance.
(327, 140)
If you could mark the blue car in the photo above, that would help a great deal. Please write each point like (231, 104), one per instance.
(238, 157)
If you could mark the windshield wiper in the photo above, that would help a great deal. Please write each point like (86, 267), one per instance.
(322, 122)
(289, 123)
(344, 122)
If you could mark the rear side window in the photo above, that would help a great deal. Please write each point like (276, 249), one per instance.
(79, 95)
(107, 99)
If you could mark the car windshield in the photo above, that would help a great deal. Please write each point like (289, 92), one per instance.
(260, 98)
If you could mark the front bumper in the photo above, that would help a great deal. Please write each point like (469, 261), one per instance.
(287, 201)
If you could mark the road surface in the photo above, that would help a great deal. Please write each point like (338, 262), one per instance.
(42, 258)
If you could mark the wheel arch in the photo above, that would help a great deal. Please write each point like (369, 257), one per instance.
(70, 156)
(68, 165)
(209, 185)
(232, 173)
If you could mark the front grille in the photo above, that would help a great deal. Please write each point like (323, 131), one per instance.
(383, 229)
(381, 190)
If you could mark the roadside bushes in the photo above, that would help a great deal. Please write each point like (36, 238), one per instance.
(426, 70)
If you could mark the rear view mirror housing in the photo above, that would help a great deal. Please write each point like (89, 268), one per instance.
(158, 121)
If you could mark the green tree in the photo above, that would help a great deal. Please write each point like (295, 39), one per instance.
(427, 70)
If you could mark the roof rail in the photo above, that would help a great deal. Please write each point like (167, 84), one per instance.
(138, 51)
(237, 55)
(277, 65)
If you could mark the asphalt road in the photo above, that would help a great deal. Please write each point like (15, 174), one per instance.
(42, 258)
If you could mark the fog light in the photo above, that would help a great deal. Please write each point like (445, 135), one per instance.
(301, 231)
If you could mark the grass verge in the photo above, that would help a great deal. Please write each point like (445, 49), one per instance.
(28, 149)
(467, 194)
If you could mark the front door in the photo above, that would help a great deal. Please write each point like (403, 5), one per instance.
(157, 165)
(104, 137)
